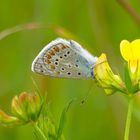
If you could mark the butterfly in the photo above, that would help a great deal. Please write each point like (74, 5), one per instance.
(64, 58)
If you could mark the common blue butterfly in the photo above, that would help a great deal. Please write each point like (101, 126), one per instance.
(64, 58)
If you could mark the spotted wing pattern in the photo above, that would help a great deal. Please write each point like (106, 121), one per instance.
(62, 58)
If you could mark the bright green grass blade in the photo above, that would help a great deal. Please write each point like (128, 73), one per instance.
(63, 119)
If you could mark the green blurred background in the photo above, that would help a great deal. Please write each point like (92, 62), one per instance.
(99, 26)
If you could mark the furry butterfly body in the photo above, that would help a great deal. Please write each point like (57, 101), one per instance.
(64, 58)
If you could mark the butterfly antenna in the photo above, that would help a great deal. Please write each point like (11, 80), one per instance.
(87, 94)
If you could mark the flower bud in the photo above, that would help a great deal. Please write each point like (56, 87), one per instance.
(8, 120)
(26, 107)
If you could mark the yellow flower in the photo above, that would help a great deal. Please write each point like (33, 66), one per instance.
(130, 51)
(106, 78)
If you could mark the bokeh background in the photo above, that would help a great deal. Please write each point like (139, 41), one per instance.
(99, 26)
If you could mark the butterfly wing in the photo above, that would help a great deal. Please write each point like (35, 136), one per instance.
(62, 58)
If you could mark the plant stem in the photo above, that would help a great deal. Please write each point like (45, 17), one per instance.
(39, 132)
(131, 11)
(128, 119)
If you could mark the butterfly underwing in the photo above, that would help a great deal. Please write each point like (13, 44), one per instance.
(64, 58)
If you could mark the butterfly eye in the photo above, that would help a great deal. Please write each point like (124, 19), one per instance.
(61, 57)
(56, 59)
(65, 55)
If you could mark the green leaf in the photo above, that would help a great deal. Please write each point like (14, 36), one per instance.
(63, 119)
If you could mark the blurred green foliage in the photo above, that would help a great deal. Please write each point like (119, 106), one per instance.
(99, 26)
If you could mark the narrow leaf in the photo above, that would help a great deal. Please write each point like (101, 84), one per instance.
(63, 119)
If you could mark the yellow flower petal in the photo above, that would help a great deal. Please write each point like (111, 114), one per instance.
(136, 49)
(105, 76)
(133, 65)
(131, 53)
(126, 50)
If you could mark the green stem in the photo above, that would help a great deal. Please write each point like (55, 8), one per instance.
(40, 133)
(128, 120)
